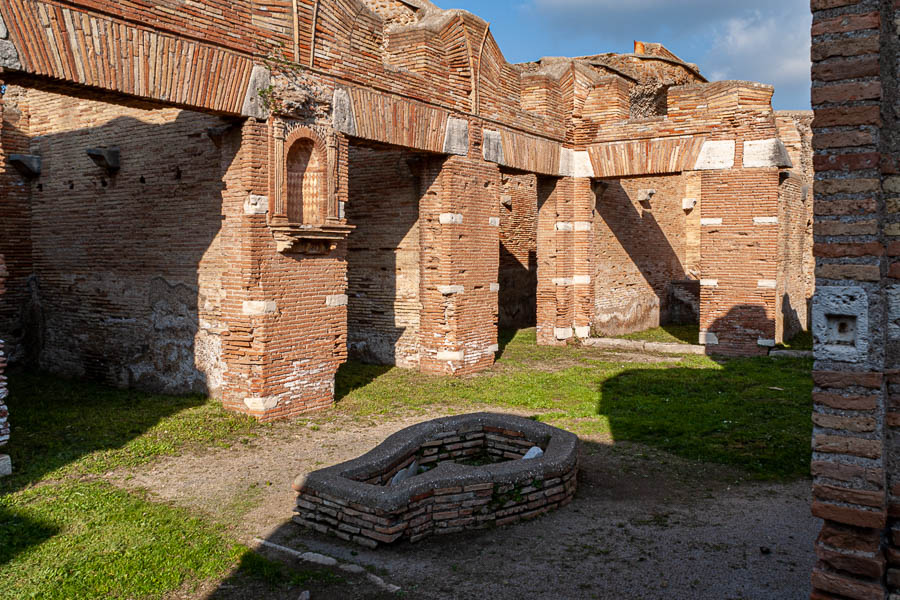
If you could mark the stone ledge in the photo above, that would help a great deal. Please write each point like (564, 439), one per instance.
(353, 501)
(639, 346)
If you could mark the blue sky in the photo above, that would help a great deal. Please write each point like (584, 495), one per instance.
(764, 40)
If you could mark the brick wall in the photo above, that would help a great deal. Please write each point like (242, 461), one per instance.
(383, 262)
(855, 443)
(460, 237)
(126, 281)
(4, 414)
(15, 226)
(518, 250)
(641, 246)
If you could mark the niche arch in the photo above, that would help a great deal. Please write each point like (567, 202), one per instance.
(304, 206)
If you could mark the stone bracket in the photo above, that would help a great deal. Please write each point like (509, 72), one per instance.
(840, 323)
(28, 165)
(106, 158)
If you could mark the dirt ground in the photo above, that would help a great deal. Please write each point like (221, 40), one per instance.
(644, 524)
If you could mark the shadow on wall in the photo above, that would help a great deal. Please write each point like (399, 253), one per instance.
(384, 255)
(746, 330)
(630, 307)
(127, 262)
(518, 290)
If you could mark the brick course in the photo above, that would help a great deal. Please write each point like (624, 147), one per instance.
(855, 448)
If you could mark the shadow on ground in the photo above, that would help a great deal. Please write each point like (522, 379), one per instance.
(637, 511)
(750, 413)
(56, 422)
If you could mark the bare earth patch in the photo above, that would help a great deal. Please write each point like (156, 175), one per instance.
(644, 524)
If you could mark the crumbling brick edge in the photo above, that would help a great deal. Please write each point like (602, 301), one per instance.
(350, 500)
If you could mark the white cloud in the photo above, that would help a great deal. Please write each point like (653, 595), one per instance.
(767, 40)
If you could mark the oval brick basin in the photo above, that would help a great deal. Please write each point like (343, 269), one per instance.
(475, 478)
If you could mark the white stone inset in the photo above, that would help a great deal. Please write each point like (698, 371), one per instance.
(338, 300)
(258, 308)
(456, 139)
(344, 118)
(767, 283)
(581, 280)
(564, 226)
(495, 287)
(716, 155)
(261, 404)
(840, 323)
(583, 332)
(765, 220)
(766, 153)
(494, 221)
(563, 333)
(575, 164)
(451, 219)
(256, 205)
(711, 221)
(688, 203)
(451, 356)
(253, 106)
(583, 226)
(709, 283)
(765, 343)
(708, 338)
(563, 281)
(493, 349)
(493, 147)
(449, 290)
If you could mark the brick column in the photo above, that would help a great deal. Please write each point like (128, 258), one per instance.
(583, 254)
(556, 262)
(459, 218)
(739, 259)
(855, 309)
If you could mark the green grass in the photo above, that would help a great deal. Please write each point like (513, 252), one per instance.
(89, 540)
(66, 534)
(67, 428)
(748, 413)
(667, 334)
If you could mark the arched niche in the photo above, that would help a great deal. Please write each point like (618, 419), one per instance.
(304, 207)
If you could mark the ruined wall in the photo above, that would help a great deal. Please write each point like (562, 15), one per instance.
(856, 446)
(4, 414)
(15, 226)
(797, 264)
(641, 246)
(383, 260)
(518, 250)
(794, 255)
(127, 266)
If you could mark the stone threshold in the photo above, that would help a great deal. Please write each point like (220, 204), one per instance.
(639, 346)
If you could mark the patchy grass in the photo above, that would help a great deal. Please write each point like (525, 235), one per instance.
(667, 334)
(65, 533)
(66, 428)
(748, 413)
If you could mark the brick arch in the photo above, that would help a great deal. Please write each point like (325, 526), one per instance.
(306, 177)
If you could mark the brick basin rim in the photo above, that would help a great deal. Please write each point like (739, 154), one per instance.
(339, 481)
